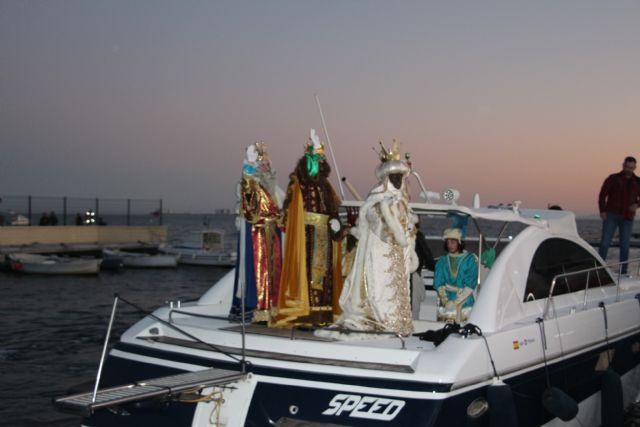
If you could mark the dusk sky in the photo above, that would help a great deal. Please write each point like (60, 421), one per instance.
(535, 101)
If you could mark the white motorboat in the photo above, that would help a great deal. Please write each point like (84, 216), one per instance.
(11, 218)
(195, 256)
(20, 220)
(552, 330)
(141, 260)
(211, 251)
(51, 264)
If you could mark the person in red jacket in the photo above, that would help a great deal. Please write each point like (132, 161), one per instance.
(618, 201)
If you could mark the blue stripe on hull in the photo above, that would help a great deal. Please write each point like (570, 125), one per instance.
(310, 376)
(576, 376)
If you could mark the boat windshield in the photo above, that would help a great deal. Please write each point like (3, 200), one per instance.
(495, 234)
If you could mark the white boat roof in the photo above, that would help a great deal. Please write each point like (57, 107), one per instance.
(557, 222)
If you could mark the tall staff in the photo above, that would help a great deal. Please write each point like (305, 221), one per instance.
(335, 162)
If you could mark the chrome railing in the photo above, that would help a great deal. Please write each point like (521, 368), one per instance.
(588, 271)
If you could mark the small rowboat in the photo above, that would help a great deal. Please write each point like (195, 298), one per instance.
(51, 264)
(141, 260)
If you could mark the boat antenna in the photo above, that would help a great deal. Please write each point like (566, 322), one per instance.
(326, 133)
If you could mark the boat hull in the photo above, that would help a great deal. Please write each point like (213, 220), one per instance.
(314, 395)
(195, 256)
(89, 267)
(156, 261)
(151, 261)
(36, 264)
(198, 257)
(139, 260)
(222, 260)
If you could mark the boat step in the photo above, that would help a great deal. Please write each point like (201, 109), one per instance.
(83, 404)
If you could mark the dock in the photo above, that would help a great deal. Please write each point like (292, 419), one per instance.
(76, 239)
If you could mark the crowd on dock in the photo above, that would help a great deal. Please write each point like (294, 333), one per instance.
(89, 218)
(48, 218)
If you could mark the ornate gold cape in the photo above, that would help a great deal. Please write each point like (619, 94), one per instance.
(293, 295)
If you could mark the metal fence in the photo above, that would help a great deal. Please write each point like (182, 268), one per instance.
(37, 210)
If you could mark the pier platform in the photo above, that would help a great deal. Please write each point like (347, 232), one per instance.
(70, 238)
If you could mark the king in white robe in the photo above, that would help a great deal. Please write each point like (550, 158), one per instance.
(376, 294)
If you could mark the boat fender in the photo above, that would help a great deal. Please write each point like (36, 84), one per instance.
(502, 408)
(559, 404)
(612, 403)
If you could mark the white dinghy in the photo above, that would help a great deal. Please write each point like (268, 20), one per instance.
(141, 260)
(51, 264)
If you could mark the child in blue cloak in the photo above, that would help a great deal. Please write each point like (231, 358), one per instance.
(455, 278)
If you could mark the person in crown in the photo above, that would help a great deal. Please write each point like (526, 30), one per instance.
(311, 224)
(455, 278)
(260, 258)
(376, 293)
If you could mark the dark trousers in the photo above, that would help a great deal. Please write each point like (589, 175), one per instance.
(609, 226)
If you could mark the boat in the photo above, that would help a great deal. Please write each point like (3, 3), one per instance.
(141, 260)
(11, 218)
(210, 251)
(553, 339)
(195, 256)
(20, 220)
(52, 264)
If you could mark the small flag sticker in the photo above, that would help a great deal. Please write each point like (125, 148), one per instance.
(516, 345)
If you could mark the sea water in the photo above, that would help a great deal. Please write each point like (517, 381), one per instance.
(52, 328)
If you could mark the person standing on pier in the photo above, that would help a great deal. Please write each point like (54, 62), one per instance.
(618, 201)
(310, 269)
(44, 219)
(53, 219)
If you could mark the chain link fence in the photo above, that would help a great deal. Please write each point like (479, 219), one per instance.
(37, 210)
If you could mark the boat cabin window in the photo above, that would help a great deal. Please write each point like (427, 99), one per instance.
(558, 256)
(496, 234)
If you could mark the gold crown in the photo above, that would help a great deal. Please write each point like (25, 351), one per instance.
(309, 148)
(261, 148)
(391, 154)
